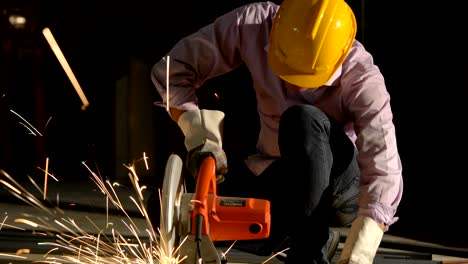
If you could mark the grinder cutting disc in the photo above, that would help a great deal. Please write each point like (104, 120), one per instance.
(171, 195)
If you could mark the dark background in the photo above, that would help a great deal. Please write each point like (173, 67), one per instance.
(111, 47)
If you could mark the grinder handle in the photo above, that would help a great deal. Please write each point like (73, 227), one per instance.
(206, 184)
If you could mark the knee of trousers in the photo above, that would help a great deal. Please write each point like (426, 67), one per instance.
(304, 117)
(299, 122)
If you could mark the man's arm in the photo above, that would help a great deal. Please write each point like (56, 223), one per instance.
(367, 98)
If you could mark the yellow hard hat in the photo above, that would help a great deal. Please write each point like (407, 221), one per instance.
(310, 39)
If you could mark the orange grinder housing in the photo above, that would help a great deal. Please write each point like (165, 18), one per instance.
(226, 218)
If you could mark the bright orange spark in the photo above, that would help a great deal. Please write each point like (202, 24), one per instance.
(45, 177)
(167, 82)
(146, 160)
(30, 128)
(27, 222)
(61, 58)
(23, 251)
(12, 256)
(274, 255)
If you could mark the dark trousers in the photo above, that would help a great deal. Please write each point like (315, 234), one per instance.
(314, 185)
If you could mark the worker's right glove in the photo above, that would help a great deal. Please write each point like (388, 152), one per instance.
(203, 137)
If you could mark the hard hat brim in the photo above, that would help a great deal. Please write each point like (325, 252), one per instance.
(291, 76)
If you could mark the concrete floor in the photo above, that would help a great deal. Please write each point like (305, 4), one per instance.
(82, 209)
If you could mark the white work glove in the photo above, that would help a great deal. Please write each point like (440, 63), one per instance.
(203, 137)
(362, 242)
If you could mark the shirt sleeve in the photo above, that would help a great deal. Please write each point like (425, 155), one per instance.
(368, 103)
(209, 52)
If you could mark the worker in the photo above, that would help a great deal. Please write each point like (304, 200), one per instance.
(326, 151)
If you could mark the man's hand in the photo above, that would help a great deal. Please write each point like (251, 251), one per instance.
(196, 156)
(203, 137)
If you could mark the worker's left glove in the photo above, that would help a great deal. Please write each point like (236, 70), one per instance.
(203, 137)
(362, 242)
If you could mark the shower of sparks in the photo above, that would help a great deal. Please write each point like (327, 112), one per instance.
(83, 246)
(29, 127)
(72, 243)
(66, 67)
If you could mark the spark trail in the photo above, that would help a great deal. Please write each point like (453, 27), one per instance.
(77, 244)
